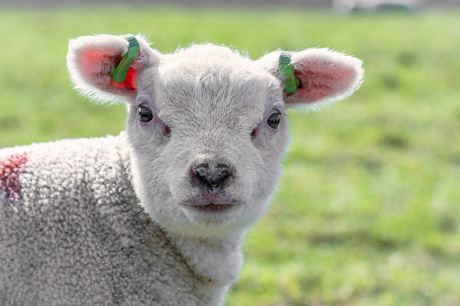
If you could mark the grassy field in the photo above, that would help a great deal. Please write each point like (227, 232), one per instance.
(368, 210)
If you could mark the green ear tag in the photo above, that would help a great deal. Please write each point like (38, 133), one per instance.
(287, 70)
(119, 73)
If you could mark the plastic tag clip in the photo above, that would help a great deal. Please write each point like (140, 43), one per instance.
(118, 74)
(287, 70)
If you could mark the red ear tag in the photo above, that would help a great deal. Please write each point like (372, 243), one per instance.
(120, 73)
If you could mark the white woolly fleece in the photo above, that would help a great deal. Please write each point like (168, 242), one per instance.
(79, 236)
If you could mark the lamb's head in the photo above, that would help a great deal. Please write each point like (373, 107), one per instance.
(206, 126)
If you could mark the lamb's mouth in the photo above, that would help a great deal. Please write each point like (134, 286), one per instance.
(211, 207)
(215, 203)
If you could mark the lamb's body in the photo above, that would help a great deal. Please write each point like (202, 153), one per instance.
(78, 236)
(157, 215)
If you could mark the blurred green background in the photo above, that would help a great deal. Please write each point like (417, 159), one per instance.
(368, 209)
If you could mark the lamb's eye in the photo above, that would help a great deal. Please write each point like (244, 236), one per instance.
(274, 120)
(145, 114)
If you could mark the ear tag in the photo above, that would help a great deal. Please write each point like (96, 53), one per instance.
(287, 70)
(119, 73)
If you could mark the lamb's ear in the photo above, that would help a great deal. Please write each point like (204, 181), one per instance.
(324, 76)
(90, 59)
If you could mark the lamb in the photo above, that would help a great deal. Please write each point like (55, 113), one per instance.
(156, 215)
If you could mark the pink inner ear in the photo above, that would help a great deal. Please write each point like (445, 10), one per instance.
(95, 65)
(320, 79)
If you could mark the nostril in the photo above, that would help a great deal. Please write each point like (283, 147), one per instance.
(223, 172)
(201, 170)
(211, 176)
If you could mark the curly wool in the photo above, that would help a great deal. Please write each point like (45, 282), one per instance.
(77, 234)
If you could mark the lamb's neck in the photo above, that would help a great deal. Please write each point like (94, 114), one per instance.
(218, 259)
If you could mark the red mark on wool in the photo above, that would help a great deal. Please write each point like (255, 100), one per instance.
(10, 170)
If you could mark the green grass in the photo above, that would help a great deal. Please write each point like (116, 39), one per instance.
(368, 210)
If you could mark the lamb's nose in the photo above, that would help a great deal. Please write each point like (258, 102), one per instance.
(211, 176)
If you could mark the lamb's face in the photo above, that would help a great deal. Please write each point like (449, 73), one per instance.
(207, 127)
(207, 139)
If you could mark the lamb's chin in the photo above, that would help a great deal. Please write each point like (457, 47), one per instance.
(205, 221)
(211, 213)
(218, 214)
